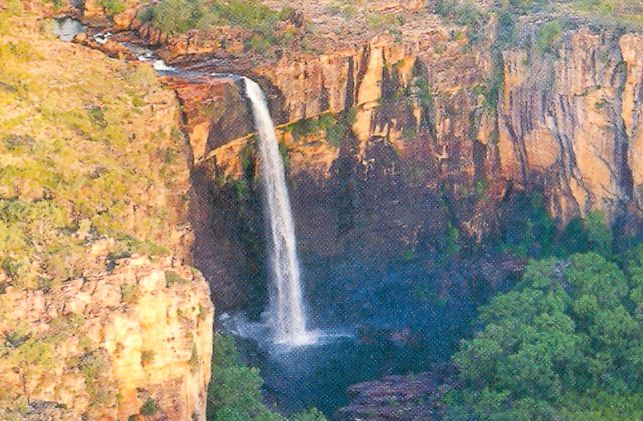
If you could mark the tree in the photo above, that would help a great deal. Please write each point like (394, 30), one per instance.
(599, 233)
(31, 357)
(234, 393)
(567, 332)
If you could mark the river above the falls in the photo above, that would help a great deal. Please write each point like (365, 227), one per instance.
(378, 322)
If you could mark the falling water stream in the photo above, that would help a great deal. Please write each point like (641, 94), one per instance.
(286, 311)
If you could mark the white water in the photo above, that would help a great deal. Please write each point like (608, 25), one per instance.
(287, 314)
(160, 66)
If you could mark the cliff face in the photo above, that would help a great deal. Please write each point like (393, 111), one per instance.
(571, 124)
(102, 315)
(566, 124)
(381, 130)
(108, 344)
(382, 134)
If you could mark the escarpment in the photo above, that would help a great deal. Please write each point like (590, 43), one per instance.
(380, 135)
(570, 124)
(102, 314)
(416, 141)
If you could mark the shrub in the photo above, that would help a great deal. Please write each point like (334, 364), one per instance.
(310, 415)
(172, 278)
(172, 15)
(149, 408)
(549, 36)
(452, 240)
(591, 234)
(599, 233)
(234, 392)
(529, 230)
(183, 15)
(129, 293)
(112, 7)
(95, 368)
(13, 142)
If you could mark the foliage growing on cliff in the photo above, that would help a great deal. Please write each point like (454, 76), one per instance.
(531, 232)
(149, 408)
(235, 389)
(336, 127)
(627, 14)
(565, 342)
(548, 36)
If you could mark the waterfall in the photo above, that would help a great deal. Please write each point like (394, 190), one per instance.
(286, 301)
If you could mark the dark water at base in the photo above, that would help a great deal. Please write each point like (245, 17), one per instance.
(398, 323)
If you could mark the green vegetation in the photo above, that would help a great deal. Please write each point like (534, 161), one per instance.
(335, 127)
(624, 13)
(95, 368)
(384, 21)
(531, 232)
(461, 12)
(565, 343)
(172, 278)
(174, 15)
(76, 166)
(57, 3)
(112, 7)
(235, 390)
(30, 356)
(310, 415)
(251, 15)
(549, 36)
(452, 240)
(129, 293)
(346, 8)
(149, 408)
(80, 173)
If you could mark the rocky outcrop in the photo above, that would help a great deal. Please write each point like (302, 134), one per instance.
(207, 103)
(427, 122)
(631, 110)
(108, 344)
(399, 398)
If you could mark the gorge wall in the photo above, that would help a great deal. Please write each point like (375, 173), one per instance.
(383, 128)
(391, 142)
